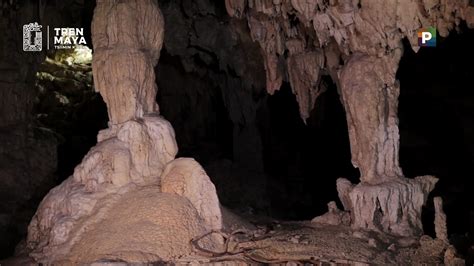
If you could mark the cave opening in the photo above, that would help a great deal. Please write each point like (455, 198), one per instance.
(436, 111)
(67, 104)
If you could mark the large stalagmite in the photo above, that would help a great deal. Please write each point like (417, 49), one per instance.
(117, 186)
(358, 43)
(384, 200)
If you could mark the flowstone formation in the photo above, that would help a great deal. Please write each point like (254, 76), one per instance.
(358, 43)
(130, 178)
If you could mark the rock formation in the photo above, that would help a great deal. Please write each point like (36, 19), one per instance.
(118, 183)
(134, 40)
(129, 184)
(185, 177)
(359, 44)
(334, 216)
(440, 220)
(143, 226)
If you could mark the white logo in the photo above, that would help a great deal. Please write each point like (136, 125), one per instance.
(426, 36)
(32, 37)
(68, 38)
(63, 38)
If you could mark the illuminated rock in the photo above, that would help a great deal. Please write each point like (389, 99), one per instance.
(90, 216)
(125, 53)
(185, 177)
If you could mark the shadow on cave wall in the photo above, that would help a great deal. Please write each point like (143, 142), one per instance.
(436, 114)
(67, 105)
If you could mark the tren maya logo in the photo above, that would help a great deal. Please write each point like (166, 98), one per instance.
(32, 37)
(427, 37)
(62, 38)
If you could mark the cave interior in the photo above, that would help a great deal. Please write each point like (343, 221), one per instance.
(274, 155)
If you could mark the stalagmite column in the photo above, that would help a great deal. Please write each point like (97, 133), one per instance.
(127, 40)
(384, 200)
(132, 152)
(119, 204)
(370, 96)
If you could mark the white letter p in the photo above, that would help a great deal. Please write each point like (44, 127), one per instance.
(425, 36)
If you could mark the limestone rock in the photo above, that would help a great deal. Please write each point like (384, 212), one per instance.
(235, 8)
(430, 247)
(267, 33)
(440, 220)
(144, 226)
(373, 28)
(107, 162)
(185, 177)
(392, 207)
(334, 216)
(306, 8)
(127, 33)
(134, 152)
(451, 258)
(152, 144)
(361, 44)
(131, 152)
(304, 74)
(344, 186)
(370, 98)
(128, 94)
(63, 216)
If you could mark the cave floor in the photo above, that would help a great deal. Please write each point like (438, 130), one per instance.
(318, 244)
(287, 243)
